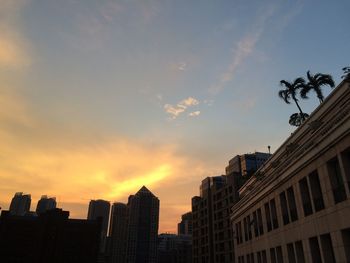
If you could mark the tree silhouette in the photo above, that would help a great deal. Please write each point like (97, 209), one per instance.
(315, 83)
(290, 92)
(297, 119)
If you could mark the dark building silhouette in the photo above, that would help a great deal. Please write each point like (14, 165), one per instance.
(118, 232)
(185, 226)
(45, 203)
(100, 208)
(20, 204)
(134, 229)
(174, 248)
(50, 237)
(212, 238)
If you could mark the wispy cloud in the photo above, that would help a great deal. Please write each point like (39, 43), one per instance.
(180, 107)
(194, 113)
(242, 50)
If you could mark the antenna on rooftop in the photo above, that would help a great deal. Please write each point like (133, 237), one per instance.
(269, 147)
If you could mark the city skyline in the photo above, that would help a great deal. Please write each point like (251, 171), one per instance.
(98, 99)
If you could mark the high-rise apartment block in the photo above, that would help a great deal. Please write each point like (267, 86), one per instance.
(174, 248)
(297, 206)
(212, 237)
(247, 164)
(100, 208)
(20, 204)
(134, 229)
(45, 203)
(185, 226)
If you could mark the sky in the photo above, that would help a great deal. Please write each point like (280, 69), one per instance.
(98, 98)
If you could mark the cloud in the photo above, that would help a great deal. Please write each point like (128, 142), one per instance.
(194, 114)
(182, 66)
(180, 107)
(13, 46)
(242, 50)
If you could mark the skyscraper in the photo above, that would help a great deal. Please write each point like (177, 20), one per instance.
(100, 208)
(118, 232)
(143, 227)
(20, 204)
(247, 164)
(45, 203)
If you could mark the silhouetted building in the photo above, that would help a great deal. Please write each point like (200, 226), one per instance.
(212, 238)
(174, 248)
(248, 163)
(118, 233)
(48, 238)
(20, 204)
(185, 226)
(143, 227)
(100, 208)
(297, 206)
(45, 203)
(134, 229)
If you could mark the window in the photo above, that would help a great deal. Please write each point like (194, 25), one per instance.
(316, 191)
(264, 258)
(346, 241)
(260, 222)
(279, 254)
(273, 255)
(300, 252)
(249, 223)
(284, 208)
(245, 229)
(291, 254)
(255, 222)
(305, 197)
(315, 250)
(327, 248)
(292, 205)
(345, 156)
(274, 214)
(268, 217)
(258, 255)
(336, 180)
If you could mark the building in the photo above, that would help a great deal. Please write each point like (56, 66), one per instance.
(100, 208)
(134, 229)
(297, 206)
(174, 248)
(45, 203)
(118, 233)
(50, 237)
(143, 227)
(212, 238)
(185, 226)
(247, 164)
(20, 204)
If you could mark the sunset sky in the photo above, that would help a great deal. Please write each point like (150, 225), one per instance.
(98, 98)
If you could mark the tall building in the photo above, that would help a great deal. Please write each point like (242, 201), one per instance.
(100, 208)
(297, 206)
(185, 226)
(118, 232)
(247, 164)
(143, 227)
(134, 229)
(212, 238)
(20, 204)
(50, 237)
(45, 203)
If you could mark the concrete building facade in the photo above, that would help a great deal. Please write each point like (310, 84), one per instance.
(296, 208)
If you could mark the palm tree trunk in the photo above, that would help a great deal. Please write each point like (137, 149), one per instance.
(301, 112)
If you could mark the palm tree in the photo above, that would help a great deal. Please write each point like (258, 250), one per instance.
(346, 74)
(315, 83)
(290, 92)
(297, 119)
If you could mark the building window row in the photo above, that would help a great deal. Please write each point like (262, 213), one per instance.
(288, 206)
